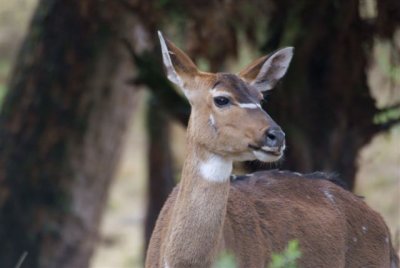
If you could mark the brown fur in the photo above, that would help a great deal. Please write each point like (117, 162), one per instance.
(258, 215)
(267, 210)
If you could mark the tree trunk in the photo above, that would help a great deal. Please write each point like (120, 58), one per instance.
(325, 107)
(61, 129)
(160, 166)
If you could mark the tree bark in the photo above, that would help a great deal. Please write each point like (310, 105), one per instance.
(325, 107)
(61, 127)
(160, 165)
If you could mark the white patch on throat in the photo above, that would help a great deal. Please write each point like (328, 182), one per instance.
(364, 229)
(249, 105)
(216, 169)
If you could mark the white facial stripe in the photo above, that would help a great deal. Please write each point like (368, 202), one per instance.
(219, 93)
(249, 105)
(216, 169)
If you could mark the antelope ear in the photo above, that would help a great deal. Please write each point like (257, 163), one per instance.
(265, 72)
(179, 67)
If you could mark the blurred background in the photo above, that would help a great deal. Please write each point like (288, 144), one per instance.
(92, 134)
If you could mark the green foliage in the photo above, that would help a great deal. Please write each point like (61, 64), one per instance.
(388, 63)
(387, 115)
(4, 70)
(226, 260)
(3, 91)
(288, 258)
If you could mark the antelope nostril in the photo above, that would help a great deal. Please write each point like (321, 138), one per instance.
(271, 136)
(274, 137)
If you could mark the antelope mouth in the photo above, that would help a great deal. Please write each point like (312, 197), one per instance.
(267, 154)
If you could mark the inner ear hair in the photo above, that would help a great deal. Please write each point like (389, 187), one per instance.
(178, 65)
(266, 71)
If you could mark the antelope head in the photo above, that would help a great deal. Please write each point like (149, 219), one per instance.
(226, 117)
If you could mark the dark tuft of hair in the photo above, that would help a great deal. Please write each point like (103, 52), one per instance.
(330, 176)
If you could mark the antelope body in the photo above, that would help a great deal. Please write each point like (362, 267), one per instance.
(253, 217)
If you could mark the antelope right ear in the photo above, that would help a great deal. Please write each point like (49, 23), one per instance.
(179, 67)
(265, 72)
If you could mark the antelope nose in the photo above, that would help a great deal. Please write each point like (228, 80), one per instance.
(274, 137)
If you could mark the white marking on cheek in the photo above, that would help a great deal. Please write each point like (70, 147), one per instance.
(216, 169)
(387, 240)
(249, 105)
(212, 120)
(329, 196)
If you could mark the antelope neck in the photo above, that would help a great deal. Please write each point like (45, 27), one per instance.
(206, 166)
(198, 215)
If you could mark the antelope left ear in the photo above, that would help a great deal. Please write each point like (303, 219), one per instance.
(265, 72)
(179, 67)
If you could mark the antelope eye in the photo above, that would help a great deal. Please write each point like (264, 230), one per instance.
(221, 101)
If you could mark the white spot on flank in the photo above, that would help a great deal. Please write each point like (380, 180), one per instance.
(355, 239)
(387, 240)
(329, 196)
(249, 105)
(364, 229)
(166, 264)
(216, 169)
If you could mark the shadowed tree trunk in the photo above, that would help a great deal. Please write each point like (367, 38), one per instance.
(325, 107)
(160, 166)
(61, 129)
